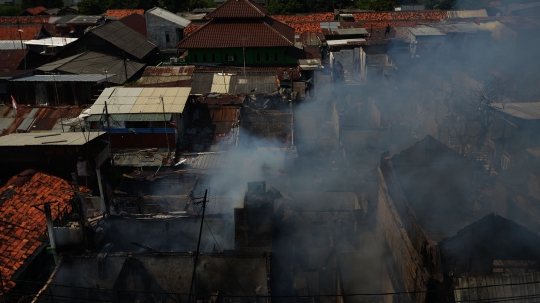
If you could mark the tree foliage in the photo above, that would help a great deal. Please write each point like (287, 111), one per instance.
(45, 3)
(10, 10)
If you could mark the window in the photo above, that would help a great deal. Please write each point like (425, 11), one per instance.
(167, 37)
(195, 59)
(179, 34)
(258, 57)
(276, 57)
(267, 57)
(213, 57)
(203, 57)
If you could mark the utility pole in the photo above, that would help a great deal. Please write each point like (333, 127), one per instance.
(109, 133)
(198, 245)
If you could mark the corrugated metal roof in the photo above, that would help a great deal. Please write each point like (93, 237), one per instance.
(25, 124)
(125, 38)
(344, 41)
(352, 31)
(5, 123)
(202, 83)
(522, 287)
(527, 111)
(140, 159)
(480, 13)
(165, 14)
(425, 31)
(207, 160)
(233, 84)
(166, 71)
(65, 78)
(131, 117)
(95, 63)
(12, 44)
(32, 139)
(51, 41)
(85, 20)
(141, 100)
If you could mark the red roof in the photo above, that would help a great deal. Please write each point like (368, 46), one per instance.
(35, 10)
(238, 9)
(24, 19)
(136, 22)
(121, 13)
(22, 226)
(309, 17)
(415, 15)
(190, 29)
(10, 59)
(265, 32)
(10, 32)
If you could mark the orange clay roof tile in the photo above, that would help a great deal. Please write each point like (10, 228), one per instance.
(22, 226)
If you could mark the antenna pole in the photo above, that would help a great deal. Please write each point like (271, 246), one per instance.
(198, 246)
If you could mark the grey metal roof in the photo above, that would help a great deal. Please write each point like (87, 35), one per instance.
(125, 38)
(54, 65)
(131, 117)
(527, 111)
(202, 83)
(330, 25)
(85, 19)
(165, 14)
(64, 78)
(232, 84)
(65, 19)
(95, 63)
(11, 44)
(205, 160)
(140, 159)
(352, 31)
(33, 139)
(479, 13)
(425, 31)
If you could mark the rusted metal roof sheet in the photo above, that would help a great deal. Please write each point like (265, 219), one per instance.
(167, 71)
(223, 99)
(28, 119)
(224, 118)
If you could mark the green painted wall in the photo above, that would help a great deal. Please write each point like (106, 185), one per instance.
(254, 56)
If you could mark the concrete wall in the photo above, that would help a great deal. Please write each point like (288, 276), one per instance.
(157, 29)
(407, 261)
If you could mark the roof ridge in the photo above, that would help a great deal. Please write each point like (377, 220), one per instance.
(274, 30)
(193, 33)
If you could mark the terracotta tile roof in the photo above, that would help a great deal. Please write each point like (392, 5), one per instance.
(121, 13)
(190, 29)
(237, 33)
(10, 59)
(303, 18)
(10, 32)
(238, 9)
(22, 226)
(35, 10)
(301, 27)
(24, 19)
(415, 15)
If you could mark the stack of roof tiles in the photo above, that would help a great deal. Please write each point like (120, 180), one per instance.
(238, 23)
(378, 20)
(121, 13)
(23, 226)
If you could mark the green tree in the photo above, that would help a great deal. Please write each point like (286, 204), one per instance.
(10, 10)
(287, 6)
(91, 7)
(45, 3)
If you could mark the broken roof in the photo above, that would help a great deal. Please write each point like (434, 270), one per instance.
(125, 38)
(526, 111)
(140, 277)
(238, 9)
(263, 32)
(141, 100)
(22, 226)
(165, 14)
(96, 63)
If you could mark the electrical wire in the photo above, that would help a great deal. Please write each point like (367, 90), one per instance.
(229, 266)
